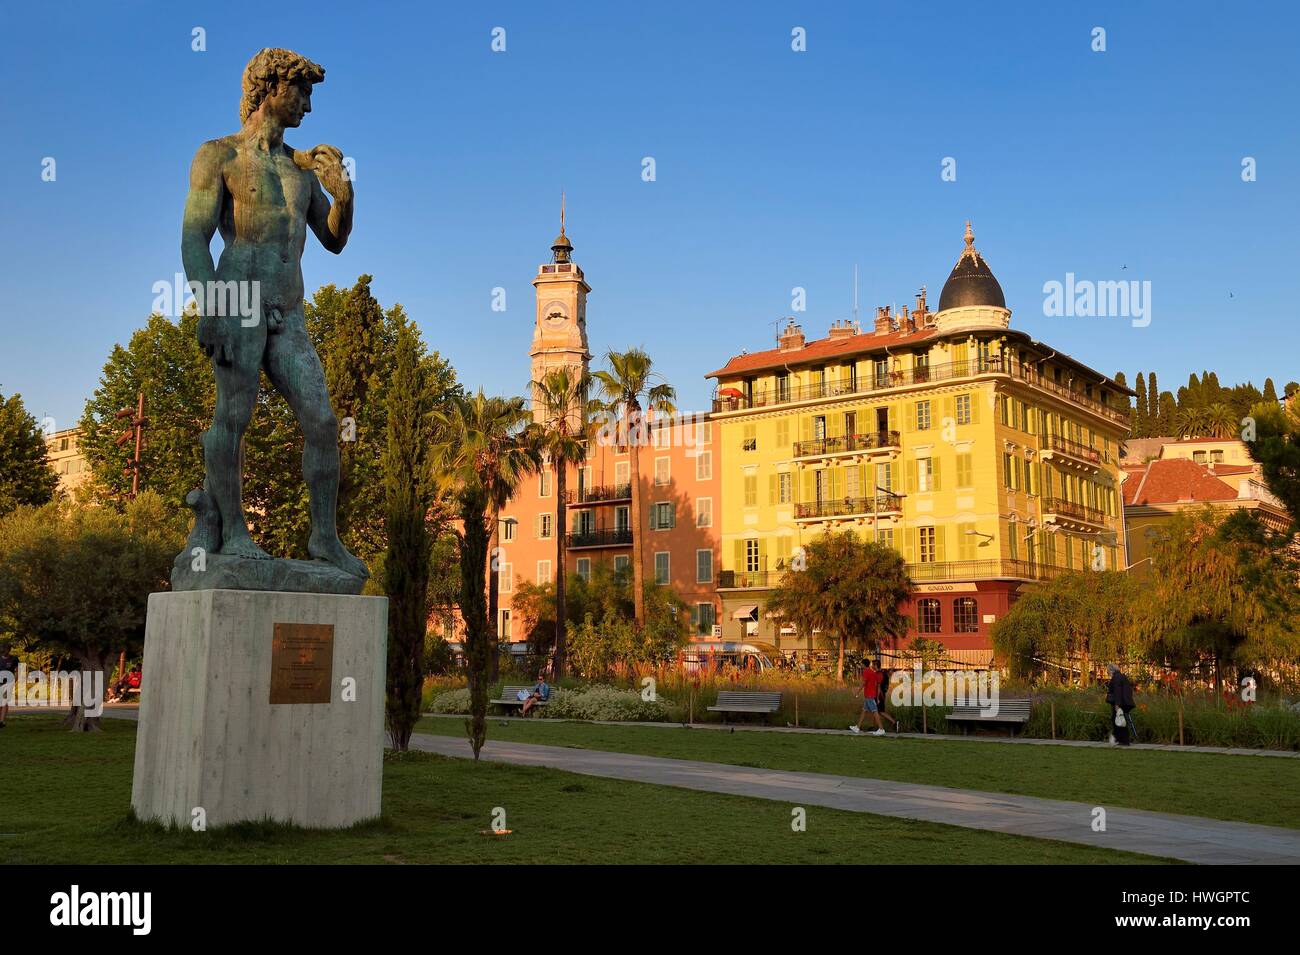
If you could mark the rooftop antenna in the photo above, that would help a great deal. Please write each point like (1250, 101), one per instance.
(855, 293)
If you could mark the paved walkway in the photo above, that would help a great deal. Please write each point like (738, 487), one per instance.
(1016, 740)
(1189, 838)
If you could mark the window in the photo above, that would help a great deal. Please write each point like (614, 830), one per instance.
(751, 556)
(544, 484)
(704, 566)
(584, 567)
(545, 526)
(508, 529)
(783, 387)
(662, 516)
(963, 409)
(506, 578)
(925, 474)
(705, 615)
(922, 367)
(622, 473)
(1008, 472)
(504, 631)
(783, 433)
(751, 490)
(923, 416)
(704, 512)
(783, 484)
(1216, 457)
(925, 537)
(965, 615)
(622, 518)
(929, 617)
(964, 471)
(703, 432)
(880, 372)
(704, 466)
(1198, 457)
(750, 442)
(661, 567)
(621, 563)
(886, 536)
(662, 470)
(543, 572)
(885, 477)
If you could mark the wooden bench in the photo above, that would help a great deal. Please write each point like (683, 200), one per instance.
(510, 696)
(742, 701)
(1011, 713)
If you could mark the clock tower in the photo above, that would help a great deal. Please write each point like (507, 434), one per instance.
(560, 332)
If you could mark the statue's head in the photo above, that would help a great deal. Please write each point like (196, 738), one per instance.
(279, 81)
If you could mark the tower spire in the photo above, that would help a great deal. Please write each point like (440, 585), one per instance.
(562, 213)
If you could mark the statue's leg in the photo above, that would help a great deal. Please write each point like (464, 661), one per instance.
(236, 396)
(295, 370)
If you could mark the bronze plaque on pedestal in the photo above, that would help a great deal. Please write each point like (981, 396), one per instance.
(302, 662)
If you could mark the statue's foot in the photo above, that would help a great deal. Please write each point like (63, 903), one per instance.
(244, 547)
(331, 550)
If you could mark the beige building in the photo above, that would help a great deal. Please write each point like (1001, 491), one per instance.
(62, 449)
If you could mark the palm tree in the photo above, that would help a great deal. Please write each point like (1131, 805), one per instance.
(1191, 422)
(485, 448)
(1220, 422)
(629, 388)
(561, 398)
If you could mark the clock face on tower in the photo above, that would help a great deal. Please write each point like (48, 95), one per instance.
(555, 313)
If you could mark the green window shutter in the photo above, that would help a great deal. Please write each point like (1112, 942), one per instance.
(893, 418)
(949, 409)
(833, 483)
(934, 474)
(805, 428)
(940, 533)
(739, 556)
(911, 476)
(976, 399)
(909, 545)
(771, 489)
(762, 553)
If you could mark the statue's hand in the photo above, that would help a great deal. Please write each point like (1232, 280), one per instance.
(215, 338)
(327, 163)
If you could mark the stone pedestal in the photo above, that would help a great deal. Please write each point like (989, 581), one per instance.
(224, 726)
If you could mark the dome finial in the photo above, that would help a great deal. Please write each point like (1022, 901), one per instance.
(562, 213)
(970, 236)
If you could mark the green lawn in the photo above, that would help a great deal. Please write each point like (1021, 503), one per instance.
(1263, 789)
(65, 798)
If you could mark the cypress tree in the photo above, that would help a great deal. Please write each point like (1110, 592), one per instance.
(1153, 406)
(1270, 392)
(1141, 427)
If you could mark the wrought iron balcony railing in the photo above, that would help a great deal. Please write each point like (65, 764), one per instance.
(1080, 512)
(849, 506)
(605, 537)
(599, 494)
(818, 447)
(1073, 448)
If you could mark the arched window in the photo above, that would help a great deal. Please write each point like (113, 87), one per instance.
(965, 615)
(929, 618)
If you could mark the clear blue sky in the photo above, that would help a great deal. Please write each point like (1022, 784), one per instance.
(775, 169)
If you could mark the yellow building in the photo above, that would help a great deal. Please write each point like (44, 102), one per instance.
(989, 460)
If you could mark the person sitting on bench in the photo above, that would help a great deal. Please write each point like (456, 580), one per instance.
(538, 693)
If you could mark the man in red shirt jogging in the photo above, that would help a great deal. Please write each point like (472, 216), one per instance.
(871, 677)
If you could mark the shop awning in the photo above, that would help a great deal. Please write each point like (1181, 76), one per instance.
(747, 612)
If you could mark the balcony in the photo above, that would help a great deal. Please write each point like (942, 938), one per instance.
(1059, 511)
(847, 444)
(733, 399)
(605, 537)
(1071, 453)
(601, 494)
(980, 570)
(849, 508)
(746, 580)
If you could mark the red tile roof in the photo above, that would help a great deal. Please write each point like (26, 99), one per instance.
(1174, 480)
(821, 349)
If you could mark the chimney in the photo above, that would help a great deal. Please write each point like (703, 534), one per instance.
(884, 322)
(844, 329)
(792, 338)
(906, 322)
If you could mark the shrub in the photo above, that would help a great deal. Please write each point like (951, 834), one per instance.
(452, 701)
(604, 703)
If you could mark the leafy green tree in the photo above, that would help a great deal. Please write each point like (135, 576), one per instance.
(849, 588)
(1168, 413)
(409, 496)
(163, 360)
(75, 579)
(1222, 589)
(484, 448)
(1140, 415)
(561, 398)
(26, 477)
(1082, 616)
(1276, 446)
(629, 388)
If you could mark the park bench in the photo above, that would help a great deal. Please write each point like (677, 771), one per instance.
(741, 701)
(510, 696)
(1011, 713)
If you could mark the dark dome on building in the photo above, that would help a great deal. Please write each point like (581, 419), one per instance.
(971, 281)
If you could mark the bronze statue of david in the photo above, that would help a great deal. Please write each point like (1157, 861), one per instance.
(262, 196)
